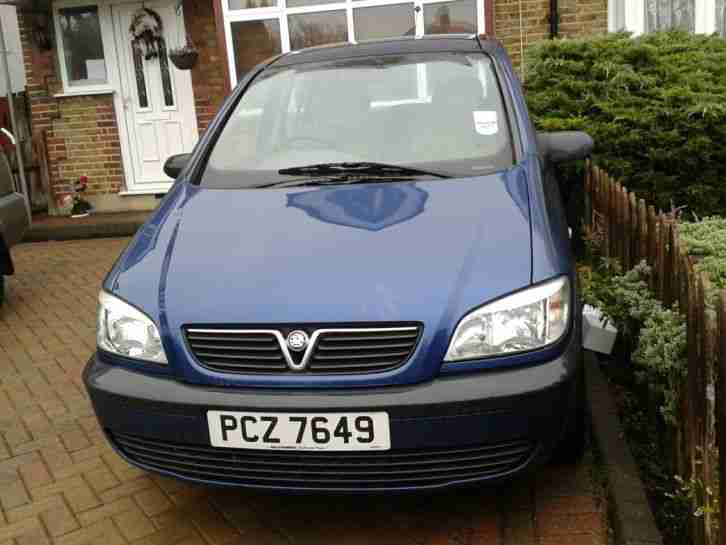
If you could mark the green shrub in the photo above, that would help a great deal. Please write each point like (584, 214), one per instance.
(655, 105)
(706, 241)
(659, 334)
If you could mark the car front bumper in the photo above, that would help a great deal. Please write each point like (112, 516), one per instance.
(454, 430)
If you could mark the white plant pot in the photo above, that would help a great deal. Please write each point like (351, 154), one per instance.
(597, 336)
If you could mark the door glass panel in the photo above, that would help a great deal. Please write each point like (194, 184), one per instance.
(140, 77)
(311, 29)
(165, 77)
(384, 22)
(251, 4)
(668, 14)
(457, 17)
(253, 42)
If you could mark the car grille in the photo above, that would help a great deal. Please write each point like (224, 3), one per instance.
(333, 350)
(332, 470)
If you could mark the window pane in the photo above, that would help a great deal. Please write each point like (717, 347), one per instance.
(721, 18)
(384, 22)
(450, 17)
(140, 78)
(251, 4)
(668, 14)
(323, 112)
(166, 77)
(253, 42)
(298, 3)
(82, 46)
(311, 29)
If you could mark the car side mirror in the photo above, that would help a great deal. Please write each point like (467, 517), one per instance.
(175, 164)
(562, 146)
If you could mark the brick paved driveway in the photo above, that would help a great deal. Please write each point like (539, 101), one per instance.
(61, 483)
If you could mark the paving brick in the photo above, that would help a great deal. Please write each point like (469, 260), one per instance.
(153, 501)
(35, 474)
(12, 493)
(134, 524)
(81, 498)
(61, 484)
(103, 533)
(100, 477)
(562, 525)
(106, 511)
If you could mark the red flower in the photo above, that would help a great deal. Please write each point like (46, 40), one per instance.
(83, 180)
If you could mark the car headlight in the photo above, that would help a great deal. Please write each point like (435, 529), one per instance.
(526, 320)
(126, 331)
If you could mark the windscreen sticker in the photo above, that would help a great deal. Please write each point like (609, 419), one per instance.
(485, 122)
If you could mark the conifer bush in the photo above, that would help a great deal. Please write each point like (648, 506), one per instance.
(655, 105)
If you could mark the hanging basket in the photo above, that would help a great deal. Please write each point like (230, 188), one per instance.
(184, 58)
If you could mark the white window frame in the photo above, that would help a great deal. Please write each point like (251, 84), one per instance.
(281, 11)
(630, 15)
(109, 51)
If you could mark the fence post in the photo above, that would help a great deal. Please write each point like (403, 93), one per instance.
(643, 230)
(652, 246)
(696, 392)
(667, 265)
(721, 412)
(587, 212)
(613, 213)
(708, 358)
(634, 234)
(625, 230)
(660, 263)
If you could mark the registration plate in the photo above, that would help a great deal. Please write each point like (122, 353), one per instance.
(300, 431)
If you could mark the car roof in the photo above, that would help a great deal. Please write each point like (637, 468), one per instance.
(391, 46)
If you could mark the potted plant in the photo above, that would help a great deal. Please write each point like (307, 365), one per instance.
(81, 207)
(184, 57)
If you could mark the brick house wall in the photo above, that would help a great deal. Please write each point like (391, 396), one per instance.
(209, 76)
(578, 18)
(81, 134)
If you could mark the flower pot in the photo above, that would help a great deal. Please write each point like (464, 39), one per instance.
(184, 60)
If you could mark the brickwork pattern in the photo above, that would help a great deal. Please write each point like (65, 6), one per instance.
(209, 75)
(578, 18)
(60, 482)
(81, 133)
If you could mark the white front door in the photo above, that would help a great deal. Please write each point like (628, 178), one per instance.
(158, 101)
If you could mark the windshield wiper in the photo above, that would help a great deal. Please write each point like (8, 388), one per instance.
(358, 169)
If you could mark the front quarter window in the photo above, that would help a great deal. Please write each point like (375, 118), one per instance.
(442, 112)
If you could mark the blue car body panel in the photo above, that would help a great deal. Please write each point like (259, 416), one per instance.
(427, 252)
(332, 259)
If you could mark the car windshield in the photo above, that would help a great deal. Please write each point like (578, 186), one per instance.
(432, 113)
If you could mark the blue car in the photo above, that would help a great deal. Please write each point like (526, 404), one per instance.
(361, 281)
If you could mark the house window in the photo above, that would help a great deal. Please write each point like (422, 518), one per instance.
(82, 54)
(641, 16)
(257, 29)
(669, 14)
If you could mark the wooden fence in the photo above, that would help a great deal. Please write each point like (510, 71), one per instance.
(631, 231)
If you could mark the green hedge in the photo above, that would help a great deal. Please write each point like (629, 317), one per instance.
(655, 105)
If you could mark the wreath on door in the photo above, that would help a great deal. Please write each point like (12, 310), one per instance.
(147, 33)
